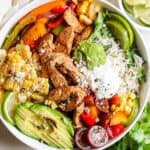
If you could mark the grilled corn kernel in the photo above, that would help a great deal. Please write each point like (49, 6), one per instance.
(2, 93)
(128, 110)
(84, 19)
(82, 7)
(113, 107)
(9, 84)
(16, 87)
(27, 84)
(43, 85)
(37, 97)
(132, 96)
(130, 103)
(91, 12)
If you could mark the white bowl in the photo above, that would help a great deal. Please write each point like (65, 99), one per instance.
(144, 94)
(131, 18)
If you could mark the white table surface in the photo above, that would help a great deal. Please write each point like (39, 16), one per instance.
(9, 142)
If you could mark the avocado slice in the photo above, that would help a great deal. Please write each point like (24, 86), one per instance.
(124, 22)
(119, 33)
(43, 123)
(134, 111)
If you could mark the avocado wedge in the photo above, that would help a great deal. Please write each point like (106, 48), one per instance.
(125, 23)
(43, 123)
(120, 33)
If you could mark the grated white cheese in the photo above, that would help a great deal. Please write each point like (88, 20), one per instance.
(114, 76)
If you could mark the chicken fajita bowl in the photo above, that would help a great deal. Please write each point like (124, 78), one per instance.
(73, 74)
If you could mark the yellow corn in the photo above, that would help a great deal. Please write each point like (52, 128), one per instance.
(128, 110)
(37, 97)
(24, 51)
(2, 93)
(27, 84)
(43, 85)
(91, 12)
(16, 87)
(9, 84)
(84, 19)
(113, 107)
(82, 7)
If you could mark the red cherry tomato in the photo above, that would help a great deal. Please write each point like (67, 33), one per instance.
(117, 129)
(89, 100)
(88, 119)
(115, 100)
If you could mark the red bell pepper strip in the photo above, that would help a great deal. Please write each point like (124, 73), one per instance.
(31, 43)
(59, 10)
(55, 24)
(88, 119)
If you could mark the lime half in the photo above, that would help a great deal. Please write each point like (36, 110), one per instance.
(9, 104)
(135, 2)
(145, 20)
(141, 10)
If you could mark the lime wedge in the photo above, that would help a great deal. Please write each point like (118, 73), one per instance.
(127, 7)
(141, 10)
(125, 23)
(135, 2)
(120, 33)
(9, 104)
(145, 20)
(147, 3)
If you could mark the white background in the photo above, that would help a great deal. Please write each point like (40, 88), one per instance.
(8, 141)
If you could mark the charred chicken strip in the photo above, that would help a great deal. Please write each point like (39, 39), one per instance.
(72, 20)
(64, 40)
(61, 66)
(67, 97)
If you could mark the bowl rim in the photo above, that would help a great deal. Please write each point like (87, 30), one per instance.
(142, 27)
(32, 142)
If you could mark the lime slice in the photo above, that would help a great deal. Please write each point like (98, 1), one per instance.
(9, 104)
(127, 7)
(141, 10)
(147, 3)
(120, 33)
(145, 20)
(135, 2)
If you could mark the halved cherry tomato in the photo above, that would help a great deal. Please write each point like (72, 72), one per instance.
(115, 100)
(88, 119)
(117, 129)
(89, 100)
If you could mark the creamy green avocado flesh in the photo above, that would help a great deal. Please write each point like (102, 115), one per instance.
(93, 54)
(46, 124)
